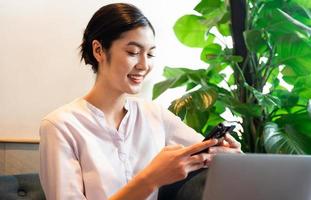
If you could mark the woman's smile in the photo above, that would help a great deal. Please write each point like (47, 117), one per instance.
(136, 78)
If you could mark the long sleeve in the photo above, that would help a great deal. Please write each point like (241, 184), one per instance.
(60, 171)
(177, 131)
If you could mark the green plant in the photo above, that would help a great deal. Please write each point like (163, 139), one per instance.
(271, 43)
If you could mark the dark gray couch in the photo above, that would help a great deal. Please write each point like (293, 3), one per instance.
(191, 188)
(21, 187)
(28, 187)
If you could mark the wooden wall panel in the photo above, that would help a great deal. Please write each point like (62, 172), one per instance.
(19, 158)
(2, 158)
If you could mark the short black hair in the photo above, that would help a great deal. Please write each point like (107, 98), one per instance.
(107, 25)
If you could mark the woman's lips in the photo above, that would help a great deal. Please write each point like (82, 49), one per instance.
(136, 78)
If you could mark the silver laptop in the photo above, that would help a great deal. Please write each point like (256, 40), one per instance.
(259, 177)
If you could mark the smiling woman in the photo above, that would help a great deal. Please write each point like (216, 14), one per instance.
(107, 145)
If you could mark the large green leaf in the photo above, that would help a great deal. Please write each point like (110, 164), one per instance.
(294, 21)
(302, 86)
(289, 75)
(303, 3)
(303, 19)
(191, 85)
(196, 118)
(200, 99)
(177, 77)
(295, 54)
(206, 6)
(162, 86)
(214, 77)
(224, 28)
(265, 100)
(173, 72)
(285, 140)
(216, 15)
(212, 121)
(197, 76)
(288, 99)
(212, 53)
(244, 109)
(273, 79)
(254, 41)
(300, 122)
(216, 68)
(279, 23)
(247, 110)
(192, 30)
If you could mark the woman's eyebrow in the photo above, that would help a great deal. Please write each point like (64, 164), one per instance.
(139, 45)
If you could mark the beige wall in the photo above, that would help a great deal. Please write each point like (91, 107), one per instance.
(16, 158)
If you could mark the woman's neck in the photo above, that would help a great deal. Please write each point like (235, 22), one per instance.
(110, 102)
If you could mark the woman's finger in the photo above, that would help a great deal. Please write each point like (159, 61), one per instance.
(195, 167)
(232, 142)
(199, 158)
(203, 164)
(224, 143)
(187, 151)
(173, 147)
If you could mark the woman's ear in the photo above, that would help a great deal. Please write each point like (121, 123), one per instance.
(98, 51)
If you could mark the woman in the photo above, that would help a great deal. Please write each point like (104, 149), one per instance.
(106, 145)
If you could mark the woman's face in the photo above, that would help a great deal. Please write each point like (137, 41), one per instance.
(131, 59)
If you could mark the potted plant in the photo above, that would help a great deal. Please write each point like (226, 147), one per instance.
(271, 44)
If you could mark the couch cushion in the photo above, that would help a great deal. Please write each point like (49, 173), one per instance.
(21, 187)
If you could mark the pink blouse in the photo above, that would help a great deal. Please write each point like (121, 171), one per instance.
(81, 157)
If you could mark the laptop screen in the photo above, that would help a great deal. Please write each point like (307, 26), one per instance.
(259, 177)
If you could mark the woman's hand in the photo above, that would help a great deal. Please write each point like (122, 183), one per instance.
(174, 163)
(227, 145)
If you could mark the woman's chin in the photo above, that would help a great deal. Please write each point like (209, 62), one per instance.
(134, 90)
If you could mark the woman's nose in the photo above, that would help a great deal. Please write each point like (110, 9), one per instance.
(142, 63)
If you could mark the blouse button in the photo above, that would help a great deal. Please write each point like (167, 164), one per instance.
(122, 156)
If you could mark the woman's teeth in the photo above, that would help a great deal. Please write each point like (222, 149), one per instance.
(136, 78)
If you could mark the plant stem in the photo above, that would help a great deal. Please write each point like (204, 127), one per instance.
(267, 67)
(246, 72)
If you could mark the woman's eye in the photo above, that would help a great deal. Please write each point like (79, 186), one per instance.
(150, 55)
(133, 53)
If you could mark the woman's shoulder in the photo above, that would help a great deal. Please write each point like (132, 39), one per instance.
(152, 109)
(66, 112)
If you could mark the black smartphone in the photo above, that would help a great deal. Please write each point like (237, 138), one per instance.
(217, 132)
